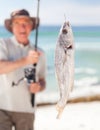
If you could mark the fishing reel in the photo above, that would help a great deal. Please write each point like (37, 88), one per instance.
(29, 74)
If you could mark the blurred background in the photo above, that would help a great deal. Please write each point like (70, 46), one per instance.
(84, 16)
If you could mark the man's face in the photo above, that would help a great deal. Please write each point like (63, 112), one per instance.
(21, 28)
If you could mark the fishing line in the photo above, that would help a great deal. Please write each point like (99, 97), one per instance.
(65, 17)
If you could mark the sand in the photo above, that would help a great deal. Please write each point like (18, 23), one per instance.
(76, 116)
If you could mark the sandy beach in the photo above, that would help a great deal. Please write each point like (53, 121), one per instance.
(76, 116)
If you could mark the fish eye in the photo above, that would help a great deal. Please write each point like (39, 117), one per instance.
(64, 31)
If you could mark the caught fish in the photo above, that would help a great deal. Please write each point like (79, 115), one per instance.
(64, 65)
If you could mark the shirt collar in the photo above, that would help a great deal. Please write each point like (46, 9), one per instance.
(19, 44)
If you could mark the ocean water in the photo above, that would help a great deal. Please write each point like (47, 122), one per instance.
(87, 54)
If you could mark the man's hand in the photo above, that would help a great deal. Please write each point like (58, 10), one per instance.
(38, 86)
(32, 57)
(34, 87)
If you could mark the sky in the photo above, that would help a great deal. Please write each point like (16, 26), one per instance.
(55, 12)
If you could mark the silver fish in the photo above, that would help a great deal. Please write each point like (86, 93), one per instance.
(64, 65)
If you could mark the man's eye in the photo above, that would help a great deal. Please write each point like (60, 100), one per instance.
(15, 23)
(27, 23)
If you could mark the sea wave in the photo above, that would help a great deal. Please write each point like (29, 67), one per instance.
(45, 98)
(85, 70)
(88, 46)
(82, 86)
(87, 81)
(91, 71)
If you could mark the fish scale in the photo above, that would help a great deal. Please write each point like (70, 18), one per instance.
(64, 65)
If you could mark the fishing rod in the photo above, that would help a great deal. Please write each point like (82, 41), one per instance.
(36, 42)
(30, 73)
(37, 23)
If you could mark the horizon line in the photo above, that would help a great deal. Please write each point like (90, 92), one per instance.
(74, 25)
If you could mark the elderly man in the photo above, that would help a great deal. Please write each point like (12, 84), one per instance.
(17, 54)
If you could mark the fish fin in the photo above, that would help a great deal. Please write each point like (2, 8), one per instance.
(70, 47)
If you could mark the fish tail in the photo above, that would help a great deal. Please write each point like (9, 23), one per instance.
(60, 110)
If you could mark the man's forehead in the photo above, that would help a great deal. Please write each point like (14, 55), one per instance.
(21, 19)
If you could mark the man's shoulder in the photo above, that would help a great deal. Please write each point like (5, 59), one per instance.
(2, 42)
(5, 40)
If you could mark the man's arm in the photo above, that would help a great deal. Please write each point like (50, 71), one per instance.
(8, 66)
